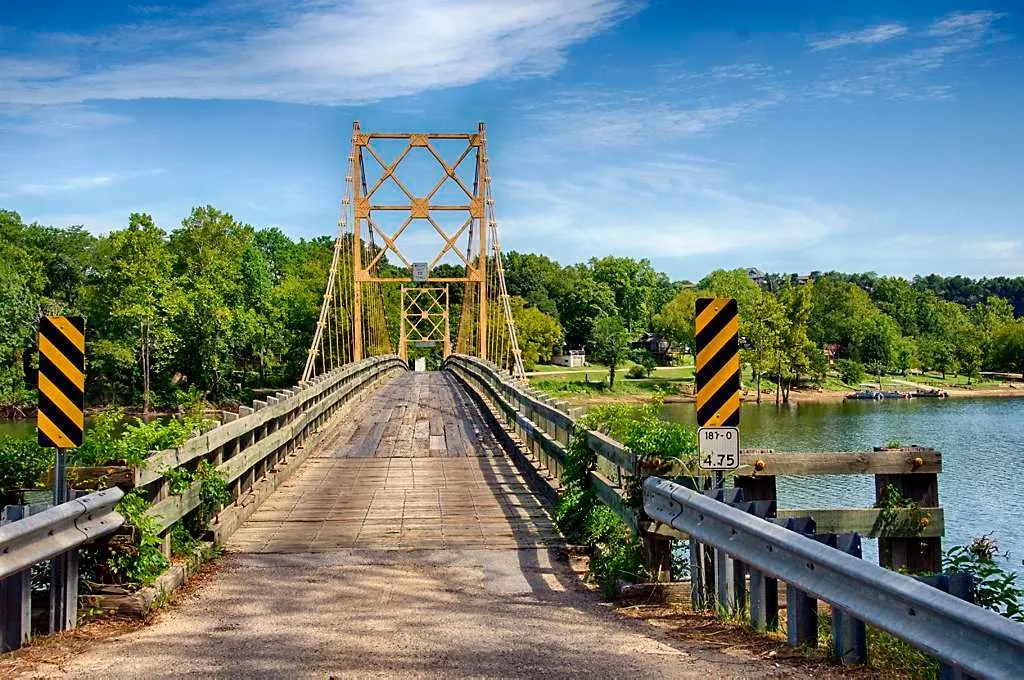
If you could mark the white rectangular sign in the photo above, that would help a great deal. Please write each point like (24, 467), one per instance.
(718, 448)
(419, 272)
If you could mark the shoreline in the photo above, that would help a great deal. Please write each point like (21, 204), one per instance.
(795, 397)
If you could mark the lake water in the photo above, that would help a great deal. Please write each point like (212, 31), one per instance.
(981, 440)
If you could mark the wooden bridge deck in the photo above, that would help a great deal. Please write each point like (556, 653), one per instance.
(406, 546)
(382, 479)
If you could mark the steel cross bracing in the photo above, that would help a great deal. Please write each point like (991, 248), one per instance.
(424, 318)
(358, 315)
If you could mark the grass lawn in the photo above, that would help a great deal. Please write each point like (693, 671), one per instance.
(594, 380)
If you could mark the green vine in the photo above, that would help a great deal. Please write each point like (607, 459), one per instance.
(899, 516)
(179, 480)
(213, 493)
(142, 561)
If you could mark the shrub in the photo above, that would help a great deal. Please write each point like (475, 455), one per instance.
(994, 587)
(22, 464)
(850, 372)
(636, 371)
(142, 562)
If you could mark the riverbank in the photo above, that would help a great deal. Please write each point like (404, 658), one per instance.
(795, 396)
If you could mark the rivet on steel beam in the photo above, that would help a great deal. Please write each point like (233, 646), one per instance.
(760, 465)
(918, 462)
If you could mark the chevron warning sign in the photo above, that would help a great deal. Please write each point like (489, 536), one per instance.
(61, 381)
(718, 362)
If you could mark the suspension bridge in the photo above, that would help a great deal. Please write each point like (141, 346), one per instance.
(385, 522)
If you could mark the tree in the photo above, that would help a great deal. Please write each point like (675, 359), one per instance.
(764, 328)
(538, 333)
(839, 310)
(878, 344)
(733, 283)
(1008, 347)
(632, 283)
(533, 278)
(609, 343)
(676, 319)
(584, 302)
(134, 304)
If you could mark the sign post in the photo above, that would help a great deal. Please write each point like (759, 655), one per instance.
(61, 424)
(717, 382)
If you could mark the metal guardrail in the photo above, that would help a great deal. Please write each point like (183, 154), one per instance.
(961, 634)
(55, 531)
(54, 534)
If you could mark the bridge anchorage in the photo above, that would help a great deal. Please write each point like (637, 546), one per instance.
(431, 208)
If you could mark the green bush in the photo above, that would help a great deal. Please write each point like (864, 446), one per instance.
(850, 372)
(22, 464)
(636, 371)
(109, 438)
(994, 587)
(616, 554)
(142, 562)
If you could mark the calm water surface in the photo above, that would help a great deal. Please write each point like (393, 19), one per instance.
(981, 440)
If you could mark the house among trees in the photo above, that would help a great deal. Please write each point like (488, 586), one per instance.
(657, 344)
(832, 352)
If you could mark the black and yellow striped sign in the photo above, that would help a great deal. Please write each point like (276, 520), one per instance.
(718, 362)
(61, 381)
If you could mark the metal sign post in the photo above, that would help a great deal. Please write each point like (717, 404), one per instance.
(61, 424)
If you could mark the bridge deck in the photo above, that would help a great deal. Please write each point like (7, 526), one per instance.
(453, 489)
(399, 551)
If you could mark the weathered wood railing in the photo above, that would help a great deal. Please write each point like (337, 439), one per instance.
(544, 427)
(253, 450)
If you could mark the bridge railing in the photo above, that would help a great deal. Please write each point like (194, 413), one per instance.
(57, 532)
(966, 637)
(255, 445)
(545, 426)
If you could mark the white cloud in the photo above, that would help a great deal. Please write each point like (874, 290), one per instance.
(322, 52)
(69, 184)
(667, 207)
(868, 36)
(902, 75)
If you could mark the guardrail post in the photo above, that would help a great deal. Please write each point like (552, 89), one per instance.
(801, 618)
(764, 601)
(918, 554)
(16, 597)
(962, 587)
(849, 636)
(658, 556)
(64, 594)
(15, 610)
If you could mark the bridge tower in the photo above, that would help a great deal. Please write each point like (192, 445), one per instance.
(370, 298)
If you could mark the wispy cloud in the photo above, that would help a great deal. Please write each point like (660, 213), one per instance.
(686, 207)
(902, 75)
(322, 51)
(69, 184)
(867, 36)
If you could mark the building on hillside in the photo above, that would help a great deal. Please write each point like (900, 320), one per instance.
(757, 276)
(657, 344)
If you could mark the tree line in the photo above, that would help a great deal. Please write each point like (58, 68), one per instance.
(214, 307)
(791, 327)
(209, 308)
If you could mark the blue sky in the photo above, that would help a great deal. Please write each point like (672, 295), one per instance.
(790, 136)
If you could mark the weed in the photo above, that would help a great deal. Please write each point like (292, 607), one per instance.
(142, 562)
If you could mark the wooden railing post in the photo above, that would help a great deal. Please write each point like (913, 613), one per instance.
(917, 554)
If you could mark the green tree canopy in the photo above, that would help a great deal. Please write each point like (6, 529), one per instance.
(609, 344)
